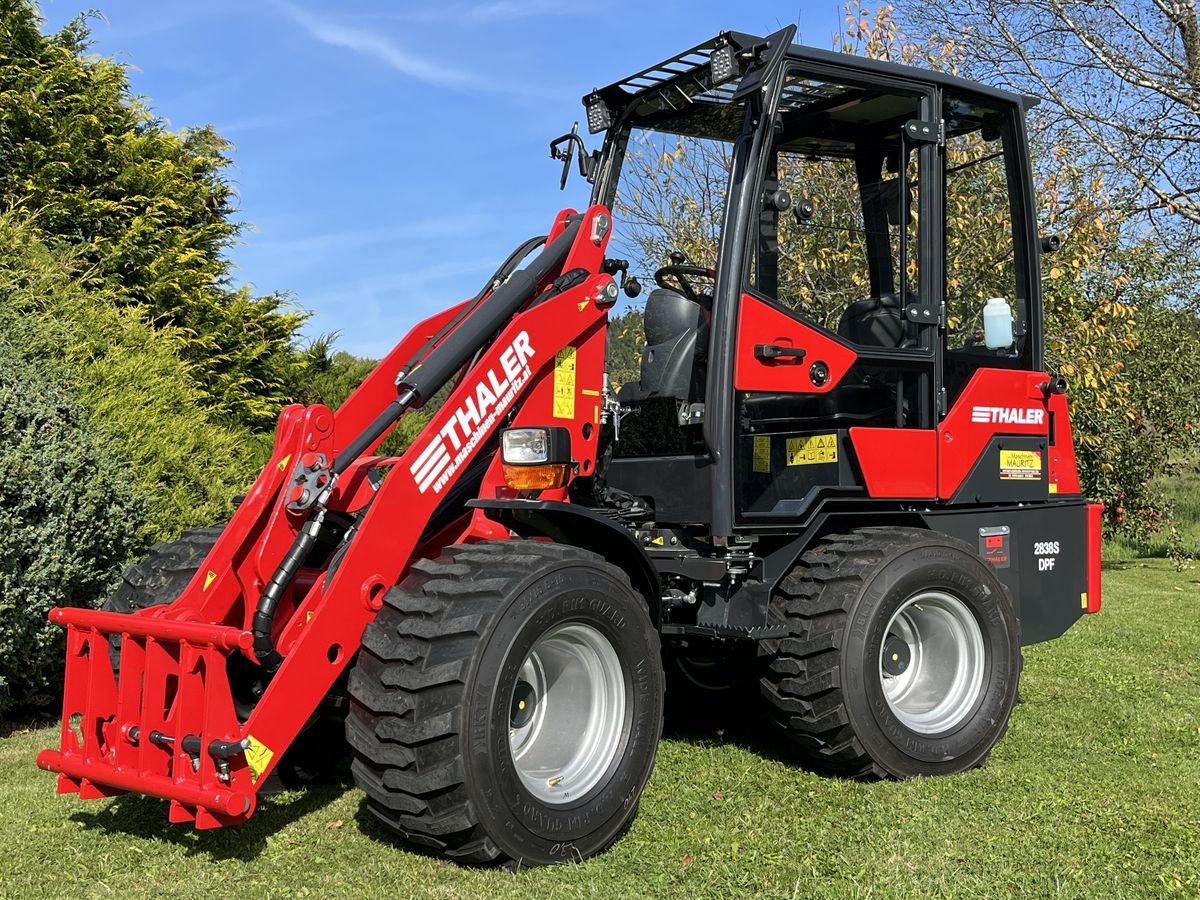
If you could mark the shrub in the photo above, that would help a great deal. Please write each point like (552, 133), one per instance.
(139, 395)
(66, 501)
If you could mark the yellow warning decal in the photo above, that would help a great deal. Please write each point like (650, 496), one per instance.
(308, 616)
(258, 757)
(1054, 487)
(564, 383)
(209, 577)
(1083, 600)
(1020, 465)
(812, 451)
(582, 304)
(588, 392)
(658, 540)
(762, 453)
(283, 462)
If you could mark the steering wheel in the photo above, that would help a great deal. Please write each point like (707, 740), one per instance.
(682, 273)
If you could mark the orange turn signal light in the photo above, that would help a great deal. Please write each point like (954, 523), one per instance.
(536, 477)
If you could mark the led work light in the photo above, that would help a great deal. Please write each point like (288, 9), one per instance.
(723, 64)
(599, 116)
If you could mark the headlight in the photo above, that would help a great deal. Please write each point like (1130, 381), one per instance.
(535, 458)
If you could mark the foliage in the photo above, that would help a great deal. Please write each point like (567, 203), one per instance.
(129, 378)
(1121, 75)
(147, 211)
(66, 497)
(625, 338)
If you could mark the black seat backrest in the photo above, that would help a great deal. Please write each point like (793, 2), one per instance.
(673, 326)
(874, 322)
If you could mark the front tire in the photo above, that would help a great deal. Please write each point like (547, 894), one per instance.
(903, 655)
(507, 704)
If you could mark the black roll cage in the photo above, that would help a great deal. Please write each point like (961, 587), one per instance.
(770, 59)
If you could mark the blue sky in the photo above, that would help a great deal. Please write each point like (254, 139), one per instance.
(390, 154)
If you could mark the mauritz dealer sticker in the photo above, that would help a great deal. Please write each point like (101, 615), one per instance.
(1021, 465)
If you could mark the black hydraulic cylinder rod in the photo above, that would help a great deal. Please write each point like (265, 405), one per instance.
(488, 319)
(444, 360)
(373, 432)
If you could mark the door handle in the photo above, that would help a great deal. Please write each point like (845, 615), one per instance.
(764, 352)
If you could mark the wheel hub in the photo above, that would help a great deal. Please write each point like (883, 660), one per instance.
(567, 713)
(896, 656)
(932, 662)
(524, 703)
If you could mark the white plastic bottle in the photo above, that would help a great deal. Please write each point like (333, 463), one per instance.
(997, 324)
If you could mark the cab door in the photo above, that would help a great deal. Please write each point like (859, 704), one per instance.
(834, 376)
(995, 444)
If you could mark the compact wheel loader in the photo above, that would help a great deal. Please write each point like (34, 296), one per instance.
(840, 453)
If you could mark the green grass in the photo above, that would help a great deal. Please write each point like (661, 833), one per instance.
(1095, 790)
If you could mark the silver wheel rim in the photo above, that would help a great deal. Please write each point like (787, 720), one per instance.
(566, 713)
(931, 664)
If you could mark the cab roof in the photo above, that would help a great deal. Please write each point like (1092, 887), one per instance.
(682, 86)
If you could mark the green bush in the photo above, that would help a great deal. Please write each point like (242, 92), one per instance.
(138, 392)
(66, 499)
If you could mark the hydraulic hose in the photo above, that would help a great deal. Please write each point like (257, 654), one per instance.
(498, 277)
(264, 614)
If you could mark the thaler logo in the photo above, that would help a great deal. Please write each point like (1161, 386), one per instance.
(491, 395)
(1008, 415)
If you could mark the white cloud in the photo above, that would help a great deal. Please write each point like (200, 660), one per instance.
(498, 10)
(379, 47)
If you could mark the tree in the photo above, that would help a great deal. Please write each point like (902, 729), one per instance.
(146, 211)
(1123, 74)
(128, 384)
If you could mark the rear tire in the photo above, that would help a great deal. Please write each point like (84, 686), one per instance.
(320, 749)
(506, 704)
(903, 655)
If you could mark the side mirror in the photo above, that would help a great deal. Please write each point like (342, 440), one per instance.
(563, 148)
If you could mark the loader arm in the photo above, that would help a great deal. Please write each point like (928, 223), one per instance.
(166, 724)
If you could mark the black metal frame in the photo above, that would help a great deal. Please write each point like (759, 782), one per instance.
(750, 166)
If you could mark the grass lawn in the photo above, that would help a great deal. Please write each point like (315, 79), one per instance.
(1094, 791)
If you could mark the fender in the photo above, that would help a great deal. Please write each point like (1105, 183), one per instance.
(567, 523)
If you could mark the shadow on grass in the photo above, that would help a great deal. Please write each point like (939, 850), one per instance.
(24, 725)
(370, 826)
(137, 815)
(736, 716)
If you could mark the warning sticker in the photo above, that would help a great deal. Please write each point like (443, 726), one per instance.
(564, 383)
(762, 453)
(258, 757)
(1021, 465)
(811, 451)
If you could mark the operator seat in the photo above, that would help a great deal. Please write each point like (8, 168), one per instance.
(874, 322)
(676, 346)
